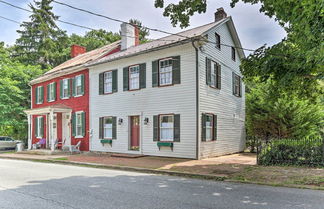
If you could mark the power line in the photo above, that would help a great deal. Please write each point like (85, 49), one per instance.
(27, 10)
(14, 21)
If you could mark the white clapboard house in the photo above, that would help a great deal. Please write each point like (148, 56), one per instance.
(178, 96)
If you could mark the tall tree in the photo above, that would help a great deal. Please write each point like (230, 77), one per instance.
(143, 33)
(14, 94)
(41, 41)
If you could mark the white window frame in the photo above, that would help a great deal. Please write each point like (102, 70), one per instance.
(213, 74)
(163, 71)
(39, 126)
(108, 83)
(78, 77)
(78, 135)
(109, 128)
(237, 85)
(209, 128)
(51, 93)
(65, 82)
(38, 95)
(136, 77)
(161, 128)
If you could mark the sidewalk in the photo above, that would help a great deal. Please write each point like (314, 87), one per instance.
(237, 167)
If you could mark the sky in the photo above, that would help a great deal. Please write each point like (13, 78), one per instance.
(254, 28)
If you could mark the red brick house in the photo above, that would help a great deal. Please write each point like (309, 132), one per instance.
(59, 113)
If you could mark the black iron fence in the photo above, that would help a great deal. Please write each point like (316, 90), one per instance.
(306, 152)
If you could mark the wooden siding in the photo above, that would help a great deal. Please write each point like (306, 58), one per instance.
(147, 102)
(230, 110)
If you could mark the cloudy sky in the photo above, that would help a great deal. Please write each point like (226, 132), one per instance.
(254, 28)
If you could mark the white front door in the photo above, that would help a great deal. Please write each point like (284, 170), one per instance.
(66, 134)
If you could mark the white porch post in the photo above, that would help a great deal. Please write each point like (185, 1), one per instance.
(51, 139)
(30, 126)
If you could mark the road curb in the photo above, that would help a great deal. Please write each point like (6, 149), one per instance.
(123, 168)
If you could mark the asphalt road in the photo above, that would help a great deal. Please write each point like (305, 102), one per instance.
(30, 185)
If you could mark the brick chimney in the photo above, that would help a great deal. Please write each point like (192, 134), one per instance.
(77, 50)
(220, 14)
(130, 36)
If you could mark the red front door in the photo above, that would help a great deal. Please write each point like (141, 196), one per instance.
(134, 132)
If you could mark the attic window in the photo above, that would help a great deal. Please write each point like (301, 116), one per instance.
(218, 41)
(233, 54)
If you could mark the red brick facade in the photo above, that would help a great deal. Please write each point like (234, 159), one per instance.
(80, 103)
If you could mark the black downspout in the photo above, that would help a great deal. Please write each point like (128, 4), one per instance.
(197, 101)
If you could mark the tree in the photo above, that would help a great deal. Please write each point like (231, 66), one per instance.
(276, 113)
(41, 41)
(14, 94)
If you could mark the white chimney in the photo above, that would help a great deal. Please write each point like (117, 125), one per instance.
(129, 35)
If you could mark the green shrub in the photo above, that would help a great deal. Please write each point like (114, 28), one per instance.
(292, 152)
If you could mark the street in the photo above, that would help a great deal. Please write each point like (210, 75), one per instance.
(32, 185)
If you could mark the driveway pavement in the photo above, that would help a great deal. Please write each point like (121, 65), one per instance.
(33, 185)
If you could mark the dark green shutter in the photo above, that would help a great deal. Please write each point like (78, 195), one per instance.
(54, 86)
(233, 82)
(36, 95)
(219, 76)
(215, 127)
(176, 128)
(203, 128)
(35, 126)
(42, 127)
(73, 124)
(156, 128)
(114, 128)
(69, 88)
(82, 84)
(73, 86)
(142, 75)
(48, 92)
(176, 72)
(83, 121)
(240, 86)
(208, 71)
(125, 79)
(61, 89)
(114, 80)
(101, 128)
(101, 83)
(42, 94)
(155, 73)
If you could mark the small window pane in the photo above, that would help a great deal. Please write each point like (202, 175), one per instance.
(166, 128)
(166, 72)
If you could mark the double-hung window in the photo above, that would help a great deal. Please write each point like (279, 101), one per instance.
(209, 127)
(237, 85)
(108, 127)
(65, 91)
(78, 85)
(166, 127)
(78, 124)
(134, 77)
(51, 92)
(39, 127)
(39, 94)
(213, 74)
(108, 81)
(165, 72)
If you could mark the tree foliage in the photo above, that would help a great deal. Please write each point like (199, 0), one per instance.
(276, 113)
(41, 41)
(14, 94)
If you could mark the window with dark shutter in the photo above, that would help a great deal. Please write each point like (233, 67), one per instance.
(101, 128)
(176, 72)
(218, 41)
(233, 54)
(209, 127)
(115, 80)
(83, 125)
(114, 127)
(155, 73)
(208, 71)
(73, 124)
(176, 128)
(155, 128)
(237, 85)
(218, 76)
(166, 71)
(213, 74)
(101, 83)
(142, 75)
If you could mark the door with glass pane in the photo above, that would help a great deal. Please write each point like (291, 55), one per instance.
(134, 132)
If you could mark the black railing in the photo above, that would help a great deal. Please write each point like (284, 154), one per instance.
(305, 152)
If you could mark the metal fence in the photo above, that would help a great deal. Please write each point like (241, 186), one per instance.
(306, 152)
